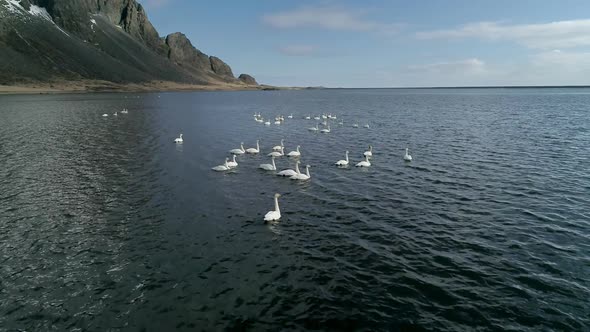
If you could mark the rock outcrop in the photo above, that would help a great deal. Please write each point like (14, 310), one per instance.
(181, 51)
(247, 79)
(221, 68)
(111, 40)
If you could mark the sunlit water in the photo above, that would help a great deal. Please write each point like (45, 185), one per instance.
(106, 224)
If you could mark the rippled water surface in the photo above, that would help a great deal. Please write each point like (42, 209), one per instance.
(106, 224)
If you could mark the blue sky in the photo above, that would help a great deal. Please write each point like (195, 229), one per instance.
(389, 43)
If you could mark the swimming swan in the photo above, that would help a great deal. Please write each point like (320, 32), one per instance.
(369, 153)
(254, 150)
(364, 163)
(343, 162)
(301, 176)
(223, 167)
(289, 172)
(269, 167)
(238, 151)
(316, 128)
(233, 163)
(276, 213)
(277, 153)
(325, 130)
(179, 139)
(407, 156)
(278, 147)
(294, 153)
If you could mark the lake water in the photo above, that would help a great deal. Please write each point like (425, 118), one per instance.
(106, 224)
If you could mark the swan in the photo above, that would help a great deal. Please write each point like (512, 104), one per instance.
(324, 116)
(223, 167)
(233, 163)
(277, 153)
(278, 122)
(325, 130)
(308, 117)
(316, 117)
(254, 150)
(290, 116)
(179, 139)
(367, 125)
(316, 128)
(281, 118)
(343, 162)
(238, 151)
(301, 176)
(276, 213)
(124, 111)
(364, 163)
(105, 115)
(267, 123)
(294, 153)
(289, 172)
(269, 167)
(355, 125)
(369, 153)
(279, 147)
(115, 114)
(407, 156)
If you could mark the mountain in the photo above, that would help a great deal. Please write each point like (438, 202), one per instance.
(100, 40)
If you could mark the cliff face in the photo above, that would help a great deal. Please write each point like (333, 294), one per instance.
(98, 39)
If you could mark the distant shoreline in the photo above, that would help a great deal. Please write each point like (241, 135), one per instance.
(93, 86)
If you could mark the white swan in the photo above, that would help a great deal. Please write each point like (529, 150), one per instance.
(294, 153)
(124, 111)
(316, 128)
(278, 122)
(325, 130)
(179, 139)
(276, 213)
(277, 153)
(238, 151)
(343, 162)
(254, 150)
(279, 147)
(267, 123)
(407, 156)
(364, 163)
(308, 117)
(269, 167)
(301, 176)
(355, 125)
(233, 163)
(324, 116)
(369, 153)
(316, 117)
(290, 116)
(115, 114)
(289, 172)
(223, 167)
(105, 115)
(367, 125)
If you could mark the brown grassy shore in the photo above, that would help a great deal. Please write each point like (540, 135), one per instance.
(88, 86)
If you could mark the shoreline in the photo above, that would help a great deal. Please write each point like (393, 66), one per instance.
(93, 86)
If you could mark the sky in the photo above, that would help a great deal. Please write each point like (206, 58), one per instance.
(389, 43)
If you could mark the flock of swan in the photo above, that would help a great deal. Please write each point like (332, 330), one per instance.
(279, 151)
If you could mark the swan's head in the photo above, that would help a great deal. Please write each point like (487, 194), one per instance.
(298, 162)
(277, 195)
(298, 146)
(181, 135)
(307, 166)
(282, 140)
(346, 151)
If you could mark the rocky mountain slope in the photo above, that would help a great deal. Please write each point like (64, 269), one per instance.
(107, 40)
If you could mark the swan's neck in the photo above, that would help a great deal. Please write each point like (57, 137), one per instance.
(346, 156)
(307, 171)
(297, 169)
(406, 151)
(257, 146)
(234, 158)
(297, 148)
(273, 163)
(277, 205)
(242, 147)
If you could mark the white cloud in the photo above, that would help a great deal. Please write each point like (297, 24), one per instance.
(297, 50)
(327, 17)
(560, 34)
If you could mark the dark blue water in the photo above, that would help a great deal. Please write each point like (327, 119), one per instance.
(105, 224)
